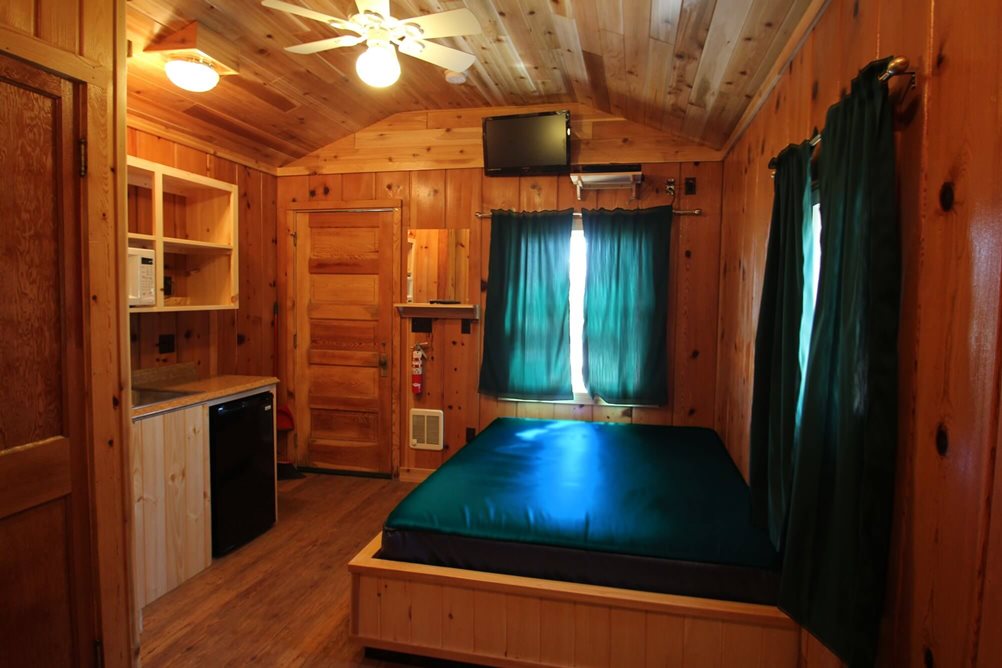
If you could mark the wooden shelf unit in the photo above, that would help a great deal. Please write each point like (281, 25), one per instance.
(190, 222)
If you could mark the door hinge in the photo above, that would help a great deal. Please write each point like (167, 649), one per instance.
(295, 238)
(83, 156)
(99, 653)
(295, 340)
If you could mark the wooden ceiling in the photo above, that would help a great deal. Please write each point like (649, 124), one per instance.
(687, 67)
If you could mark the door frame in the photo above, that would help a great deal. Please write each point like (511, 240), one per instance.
(98, 79)
(293, 367)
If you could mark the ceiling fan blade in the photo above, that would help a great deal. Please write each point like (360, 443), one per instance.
(446, 24)
(381, 7)
(436, 54)
(325, 44)
(310, 14)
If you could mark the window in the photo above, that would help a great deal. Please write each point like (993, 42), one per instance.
(542, 333)
(579, 270)
(812, 276)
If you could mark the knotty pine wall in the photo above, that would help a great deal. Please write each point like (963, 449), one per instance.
(448, 199)
(218, 342)
(945, 590)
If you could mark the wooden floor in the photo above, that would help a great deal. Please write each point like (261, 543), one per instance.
(283, 599)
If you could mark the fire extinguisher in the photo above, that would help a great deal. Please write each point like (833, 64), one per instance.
(417, 369)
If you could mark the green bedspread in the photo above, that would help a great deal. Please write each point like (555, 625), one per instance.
(666, 492)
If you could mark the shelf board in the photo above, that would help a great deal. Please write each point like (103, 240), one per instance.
(427, 310)
(136, 236)
(184, 307)
(191, 246)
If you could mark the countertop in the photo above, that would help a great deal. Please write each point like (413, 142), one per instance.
(204, 389)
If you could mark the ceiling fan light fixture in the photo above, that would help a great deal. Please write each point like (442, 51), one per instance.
(378, 65)
(193, 75)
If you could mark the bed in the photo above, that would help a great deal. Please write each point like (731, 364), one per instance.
(551, 542)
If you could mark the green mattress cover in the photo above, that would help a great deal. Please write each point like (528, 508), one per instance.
(665, 492)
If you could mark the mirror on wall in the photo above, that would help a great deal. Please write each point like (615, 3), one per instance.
(438, 262)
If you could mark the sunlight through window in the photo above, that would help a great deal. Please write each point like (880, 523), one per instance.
(579, 262)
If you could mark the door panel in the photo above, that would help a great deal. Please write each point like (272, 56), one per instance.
(46, 578)
(345, 286)
(34, 574)
(31, 401)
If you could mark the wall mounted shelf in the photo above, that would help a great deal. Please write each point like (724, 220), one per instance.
(190, 222)
(428, 310)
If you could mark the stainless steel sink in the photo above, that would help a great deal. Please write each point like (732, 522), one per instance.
(144, 397)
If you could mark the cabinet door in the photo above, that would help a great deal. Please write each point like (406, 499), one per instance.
(47, 615)
(171, 513)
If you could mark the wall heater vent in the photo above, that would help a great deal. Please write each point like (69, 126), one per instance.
(427, 428)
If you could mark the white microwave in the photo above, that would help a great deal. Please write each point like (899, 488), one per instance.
(142, 278)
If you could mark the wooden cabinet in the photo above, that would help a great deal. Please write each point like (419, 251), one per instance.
(190, 222)
(172, 538)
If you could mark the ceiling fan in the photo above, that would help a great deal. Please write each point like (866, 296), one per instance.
(378, 65)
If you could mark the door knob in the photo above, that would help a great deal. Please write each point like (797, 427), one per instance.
(383, 364)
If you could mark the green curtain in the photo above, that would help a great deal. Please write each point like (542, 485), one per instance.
(781, 330)
(838, 536)
(626, 305)
(527, 317)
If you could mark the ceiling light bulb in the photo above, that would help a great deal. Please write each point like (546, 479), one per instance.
(196, 76)
(378, 65)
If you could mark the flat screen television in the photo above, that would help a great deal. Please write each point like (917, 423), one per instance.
(528, 144)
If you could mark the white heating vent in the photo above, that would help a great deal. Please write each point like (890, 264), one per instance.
(427, 428)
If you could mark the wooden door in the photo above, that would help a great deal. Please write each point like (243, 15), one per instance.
(346, 277)
(47, 607)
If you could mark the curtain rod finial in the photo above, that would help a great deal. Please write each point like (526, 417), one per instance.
(898, 65)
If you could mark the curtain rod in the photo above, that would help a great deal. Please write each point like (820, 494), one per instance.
(577, 214)
(895, 68)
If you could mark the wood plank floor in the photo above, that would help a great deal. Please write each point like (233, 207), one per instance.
(283, 599)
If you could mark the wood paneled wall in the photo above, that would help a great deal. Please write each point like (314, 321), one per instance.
(218, 342)
(440, 139)
(52, 35)
(945, 584)
(449, 199)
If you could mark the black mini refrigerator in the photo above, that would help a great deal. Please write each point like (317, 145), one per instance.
(242, 471)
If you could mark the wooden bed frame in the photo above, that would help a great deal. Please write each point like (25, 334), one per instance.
(506, 620)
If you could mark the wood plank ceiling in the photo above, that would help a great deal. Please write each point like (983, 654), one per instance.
(687, 67)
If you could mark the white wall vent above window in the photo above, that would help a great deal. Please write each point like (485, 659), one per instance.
(427, 429)
(610, 180)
